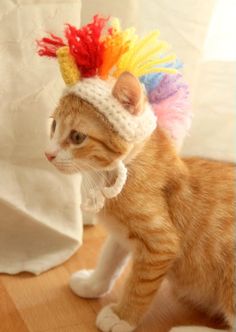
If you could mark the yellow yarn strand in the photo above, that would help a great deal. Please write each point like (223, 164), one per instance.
(141, 44)
(138, 45)
(152, 64)
(162, 47)
(115, 23)
(124, 60)
(144, 56)
(68, 67)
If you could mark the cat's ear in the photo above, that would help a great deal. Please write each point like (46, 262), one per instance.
(128, 91)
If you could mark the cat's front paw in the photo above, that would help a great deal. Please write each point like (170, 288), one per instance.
(108, 321)
(85, 284)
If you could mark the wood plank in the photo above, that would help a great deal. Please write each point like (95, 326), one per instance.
(46, 304)
(10, 319)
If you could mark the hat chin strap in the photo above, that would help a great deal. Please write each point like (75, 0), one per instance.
(113, 191)
(96, 197)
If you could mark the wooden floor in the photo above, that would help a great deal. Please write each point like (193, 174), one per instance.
(46, 304)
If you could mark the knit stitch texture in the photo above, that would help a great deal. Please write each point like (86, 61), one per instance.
(98, 92)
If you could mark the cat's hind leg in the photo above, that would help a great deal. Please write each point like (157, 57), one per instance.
(95, 283)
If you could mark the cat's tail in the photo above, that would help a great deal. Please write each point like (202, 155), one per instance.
(195, 329)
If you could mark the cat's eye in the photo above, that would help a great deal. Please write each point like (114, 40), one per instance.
(76, 137)
(53, 126)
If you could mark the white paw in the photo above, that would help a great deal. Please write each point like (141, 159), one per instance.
(84, 284)
(108, 321)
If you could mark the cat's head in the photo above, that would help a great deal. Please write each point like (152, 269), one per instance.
(94, 134)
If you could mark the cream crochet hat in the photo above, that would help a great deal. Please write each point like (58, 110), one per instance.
(94, 56)
(98, 92)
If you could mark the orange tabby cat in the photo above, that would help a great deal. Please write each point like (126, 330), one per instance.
(175, 216)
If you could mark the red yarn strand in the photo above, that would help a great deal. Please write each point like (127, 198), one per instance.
(49, 46)
(86, 45)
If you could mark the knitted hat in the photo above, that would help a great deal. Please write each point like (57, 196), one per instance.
(94, 57)
(98, 92)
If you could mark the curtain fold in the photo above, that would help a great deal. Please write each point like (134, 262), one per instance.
(40, 219)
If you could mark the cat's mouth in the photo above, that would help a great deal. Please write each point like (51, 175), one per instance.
(72, 167)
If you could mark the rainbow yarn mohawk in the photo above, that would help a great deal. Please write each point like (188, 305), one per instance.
(90, 56)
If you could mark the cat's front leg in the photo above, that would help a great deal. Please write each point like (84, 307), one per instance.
(95, 283)
(152, 259)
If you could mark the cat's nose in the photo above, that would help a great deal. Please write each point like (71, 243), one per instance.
(50, 156)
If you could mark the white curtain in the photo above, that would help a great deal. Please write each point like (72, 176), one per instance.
(40, 222)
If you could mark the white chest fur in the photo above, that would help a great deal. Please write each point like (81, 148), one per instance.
(95, 183)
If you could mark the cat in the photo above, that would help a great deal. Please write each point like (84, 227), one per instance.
(174, 216)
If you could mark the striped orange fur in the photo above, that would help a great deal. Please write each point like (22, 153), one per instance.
(175, 215)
